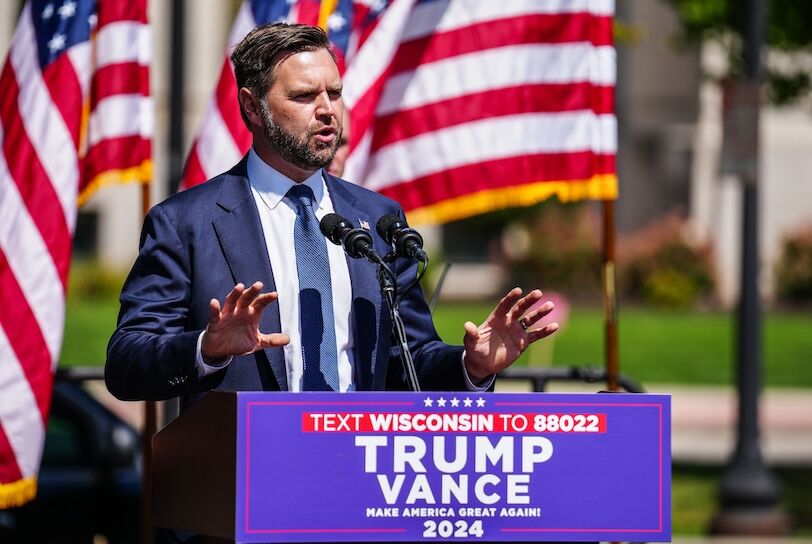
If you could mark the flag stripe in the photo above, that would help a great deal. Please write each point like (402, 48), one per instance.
(218, 152)
(243, 23)
(375, 58)
(124, 41)
(123, 78)
(365, 80)
(32, 264)
(44, 124)
(494, 68)
(597, 187)
(193, 172)
(81, 58)
(115, 153)
(437, 17)
(24, 336)
(488, 139)
(21, 416)
(405, 123)
(9, 471)
(66, 94)
(110, 119)
(113, 11)
(31, 181)
(226, 96)
(505, 172)
(548, 29)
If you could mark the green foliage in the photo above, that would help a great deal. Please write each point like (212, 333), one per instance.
(669, 288)
(788, 31)
(793, 271)
(89, 279)
(562, 253)
(660, 265)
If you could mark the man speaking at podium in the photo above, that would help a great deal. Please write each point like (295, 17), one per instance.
(298, 314)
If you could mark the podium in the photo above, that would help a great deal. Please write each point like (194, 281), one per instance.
(409, 467)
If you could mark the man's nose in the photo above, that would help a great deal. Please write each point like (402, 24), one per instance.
(325, 106)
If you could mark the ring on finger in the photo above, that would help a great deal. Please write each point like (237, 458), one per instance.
(523, 323)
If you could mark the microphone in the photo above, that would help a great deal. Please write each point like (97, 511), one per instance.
(357, 242)
(406, 241)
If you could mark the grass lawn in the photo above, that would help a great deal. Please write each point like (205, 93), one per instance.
(655, 346)
(88, 326)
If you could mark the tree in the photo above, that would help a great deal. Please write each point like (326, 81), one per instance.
(788, 40)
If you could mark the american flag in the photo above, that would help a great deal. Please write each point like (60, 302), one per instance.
(75, 114)
(457, 107)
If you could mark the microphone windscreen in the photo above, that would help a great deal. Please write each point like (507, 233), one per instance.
(384, 226)
(328, 226)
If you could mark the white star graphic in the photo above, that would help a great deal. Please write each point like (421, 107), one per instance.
(92, 20)
(427, 402)
(480, 402)
(68, 9)
(441, 402)
(336, 21)
(467, 402)
(56, 43)
(48, 11)
(455, 402)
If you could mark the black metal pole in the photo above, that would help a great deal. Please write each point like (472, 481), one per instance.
(176, 92)
(749, 493)
(388, 290)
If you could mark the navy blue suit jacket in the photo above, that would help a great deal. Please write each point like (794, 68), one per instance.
(197, 245)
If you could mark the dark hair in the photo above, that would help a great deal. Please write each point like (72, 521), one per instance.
(256, 56)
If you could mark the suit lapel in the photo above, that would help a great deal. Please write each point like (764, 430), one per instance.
(366, 295)
(240, 228)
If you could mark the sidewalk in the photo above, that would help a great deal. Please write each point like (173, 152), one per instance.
(703, 424)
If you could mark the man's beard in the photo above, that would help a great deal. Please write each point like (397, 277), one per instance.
(297, 150)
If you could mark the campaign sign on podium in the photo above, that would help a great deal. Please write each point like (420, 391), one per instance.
(432, 466)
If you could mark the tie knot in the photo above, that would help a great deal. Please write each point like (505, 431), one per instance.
(302, 196)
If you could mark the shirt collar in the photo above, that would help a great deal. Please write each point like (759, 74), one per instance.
(272, 185)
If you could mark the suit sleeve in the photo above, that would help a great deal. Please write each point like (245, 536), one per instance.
(151, 356)
(438, 365)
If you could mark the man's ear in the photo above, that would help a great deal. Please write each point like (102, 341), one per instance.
(250, 106)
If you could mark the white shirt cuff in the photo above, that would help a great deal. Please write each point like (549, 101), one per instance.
(204, 369)
(484, 386)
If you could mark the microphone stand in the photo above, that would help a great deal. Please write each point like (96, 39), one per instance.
(388, 287)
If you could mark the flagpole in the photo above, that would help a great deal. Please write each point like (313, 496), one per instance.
(610, 296)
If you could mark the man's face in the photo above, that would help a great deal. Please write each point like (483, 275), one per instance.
(303, 110)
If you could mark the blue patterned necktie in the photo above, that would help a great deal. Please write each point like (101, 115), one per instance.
(315, 296)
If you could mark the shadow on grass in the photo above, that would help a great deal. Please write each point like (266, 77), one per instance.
(694, 497)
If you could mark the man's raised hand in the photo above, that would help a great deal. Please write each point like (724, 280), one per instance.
(234, 328)
(505, 334)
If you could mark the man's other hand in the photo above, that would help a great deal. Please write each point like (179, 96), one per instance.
(505, 334)
(234, 328)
